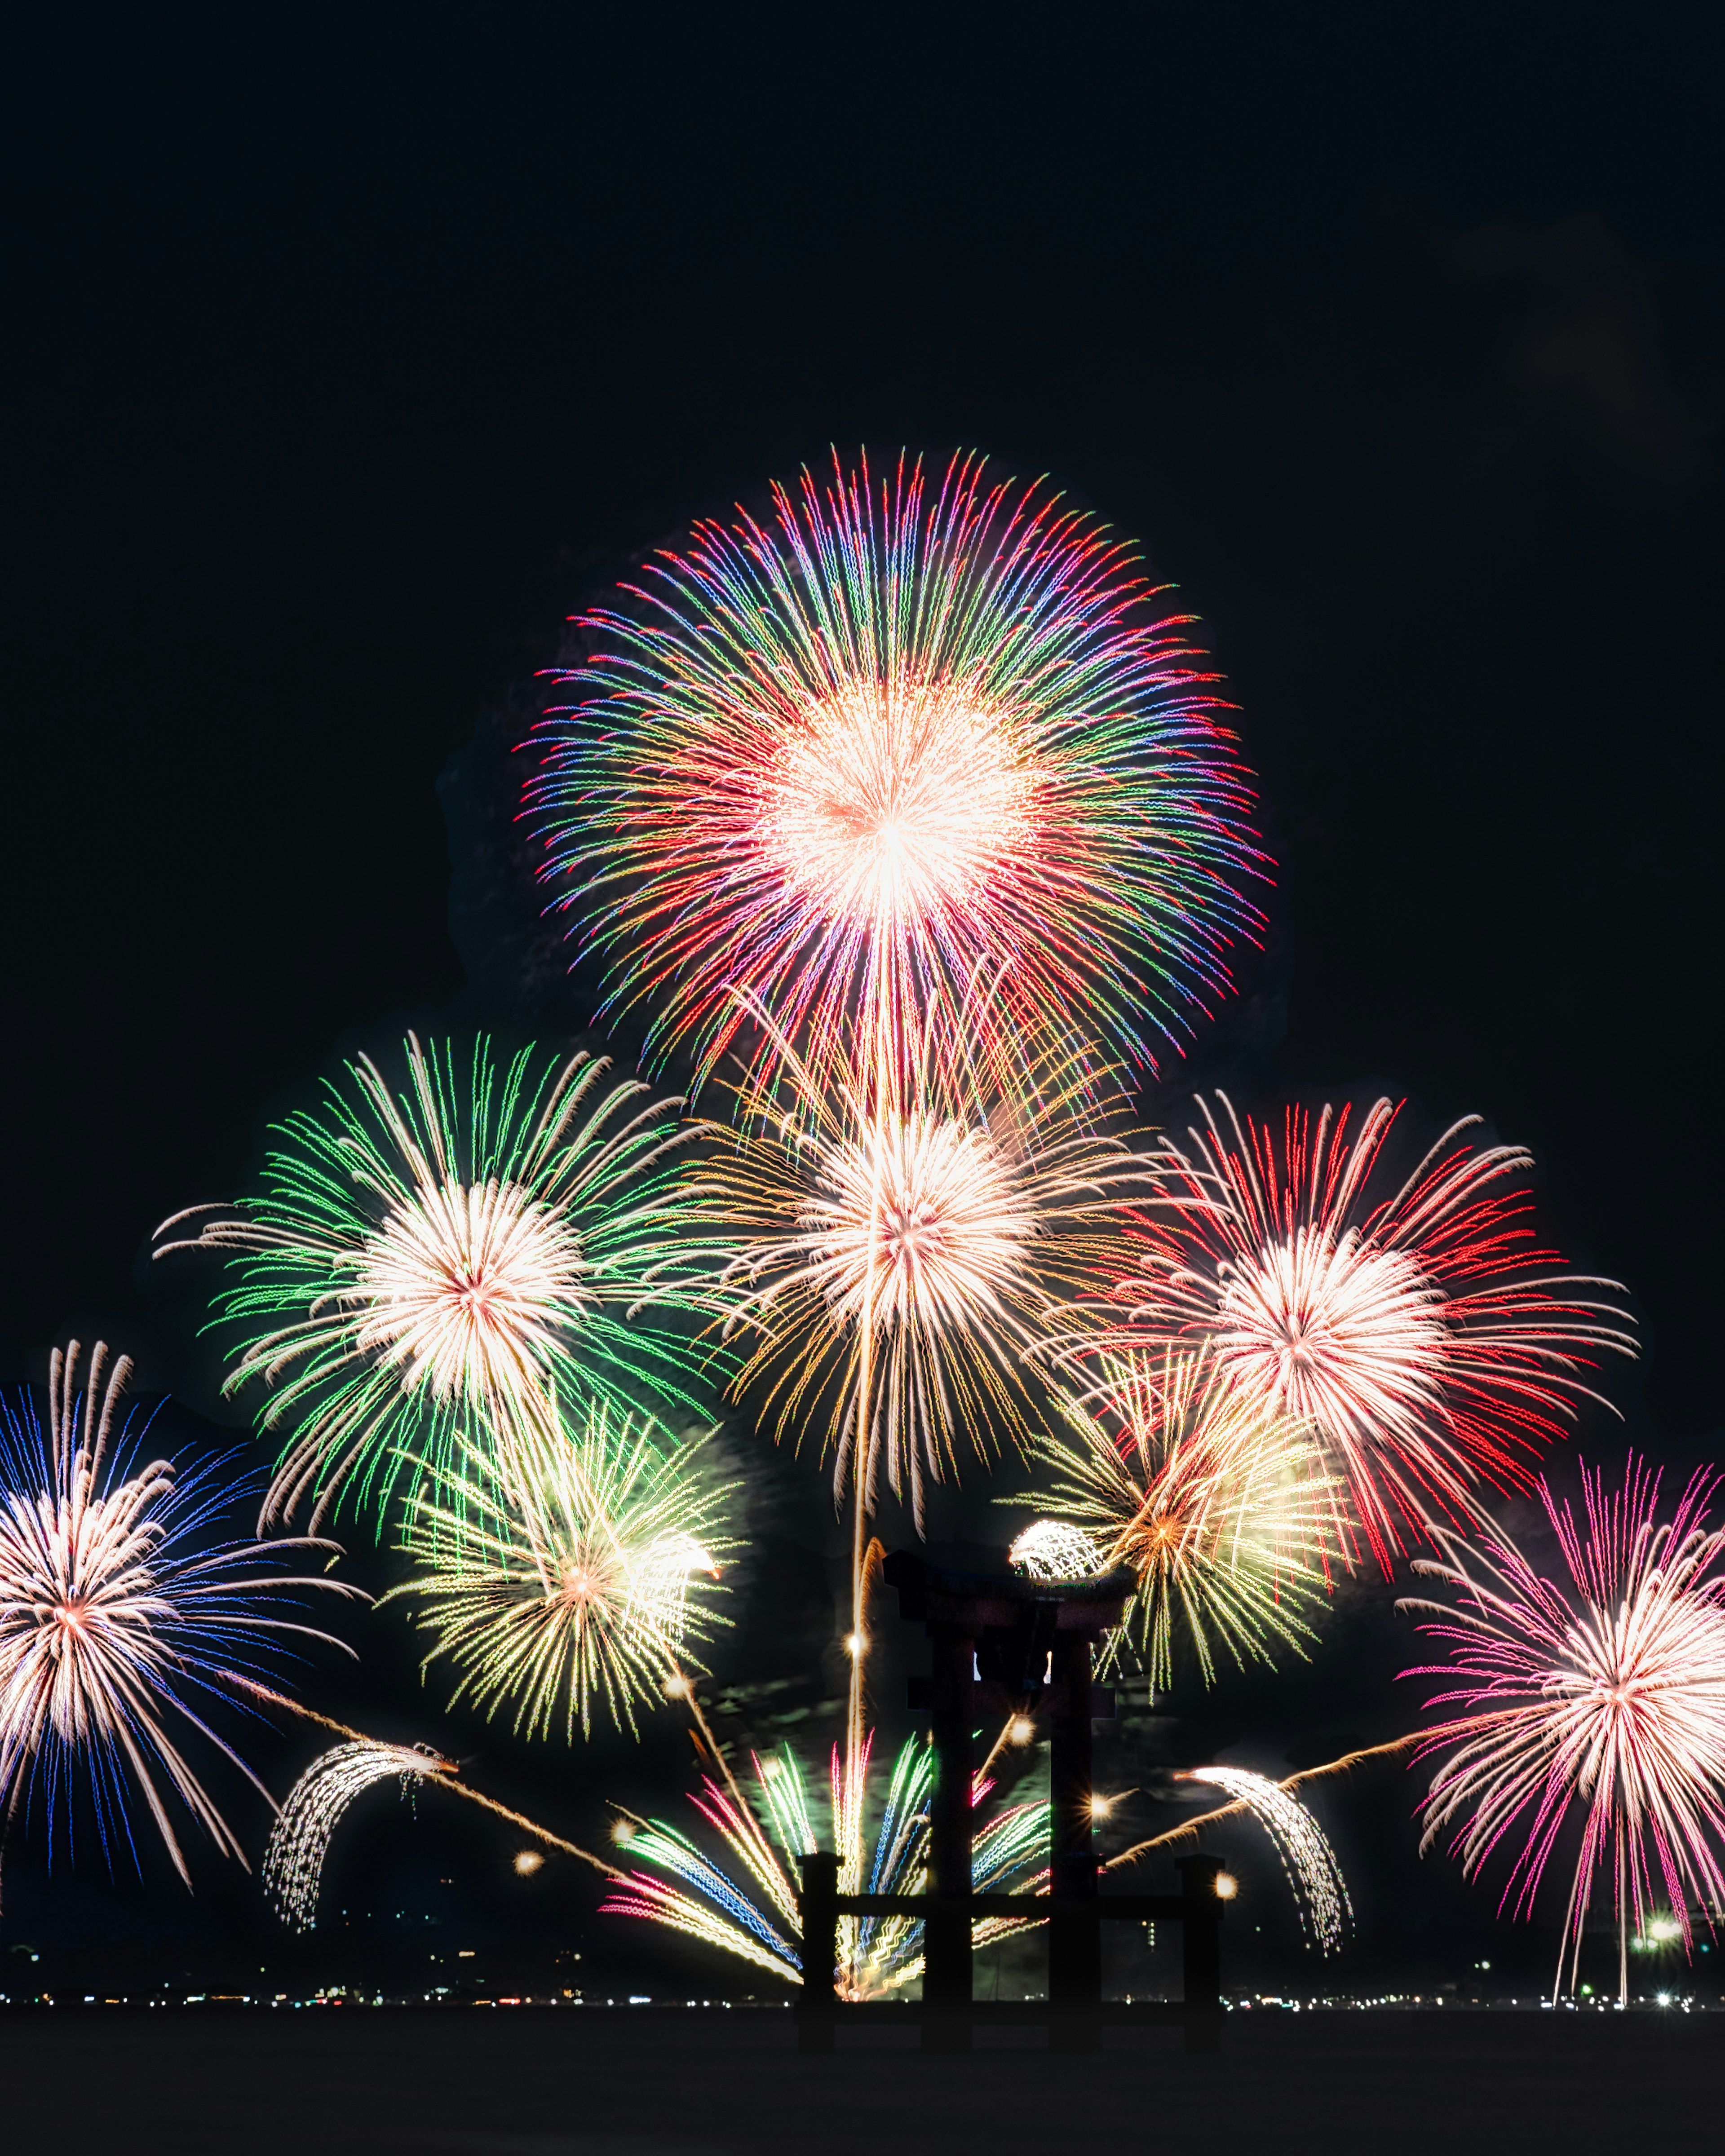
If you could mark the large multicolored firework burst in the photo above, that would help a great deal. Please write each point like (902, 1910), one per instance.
(120, 1620)
(1221, 1506)
(753, 1915)
(431, 1261)
(578, 1581)
(895, 738)
(1414, 1325)
(1604, 1695)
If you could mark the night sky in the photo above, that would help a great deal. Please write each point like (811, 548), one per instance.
(343, 359)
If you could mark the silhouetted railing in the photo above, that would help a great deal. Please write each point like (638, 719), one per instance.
(1075, 2010)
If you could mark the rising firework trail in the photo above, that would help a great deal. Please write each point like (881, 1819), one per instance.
(1219, 1504)
(430, 1262)
(1414, 1325)
(1307, 1859)
(122, 1613)
(584, 1583)
(897, 734)
(1600, 1695)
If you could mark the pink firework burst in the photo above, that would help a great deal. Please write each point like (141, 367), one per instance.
(1415, 1325)
(1605, 1694)
(840, 763)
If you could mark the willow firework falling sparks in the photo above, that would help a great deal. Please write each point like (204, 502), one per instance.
(121, 1621)
(894, 1268)
(895, 735)
(585, 1582)
(433, 1260)
(1307, 1860)
(319, 1800)
(1415, 1324)
(299, 1841)
(1221, 1507)
(1605, 1695)
(753, 1915)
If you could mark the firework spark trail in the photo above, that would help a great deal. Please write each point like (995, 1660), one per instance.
(116, 1609)
(299, 1841)
(1216, 1503)
(1604, 1693)
(427, 1264)
(1191, 1826)
(1319, 1890)
(581, 1583)
(896, 735)
(294, 1862)
(1416, 1328)
(754, 1915)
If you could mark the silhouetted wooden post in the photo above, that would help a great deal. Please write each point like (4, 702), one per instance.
(946, 1963)
(1074, 1947)
(818, 1905)
(1022, 1637)
(1201, 1949)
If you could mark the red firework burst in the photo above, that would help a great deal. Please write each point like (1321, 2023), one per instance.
(1416, 1327)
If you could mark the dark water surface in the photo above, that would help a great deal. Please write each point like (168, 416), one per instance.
(647, 2083)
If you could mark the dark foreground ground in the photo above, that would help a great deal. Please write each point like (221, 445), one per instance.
(642, 2082)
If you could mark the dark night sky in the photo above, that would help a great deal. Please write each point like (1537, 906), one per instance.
(340, 357)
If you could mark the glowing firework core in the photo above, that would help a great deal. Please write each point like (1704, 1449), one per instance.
(1324, 1327)
(928, 1207)
(83, 1599)
(456, 1284)
(890, 802)
(1055, 1550)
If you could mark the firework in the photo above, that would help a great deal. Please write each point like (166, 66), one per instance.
(431, 1262)
(1055, 1550)
(583, 1583)
(294, 1862)
(318, 1802)
(1219, 1507)
(894, 736)
(119, 1616)
(894, 1268)
(753, 1915)
(1416, 1327)
(1307, 1859)
(1602, 1695)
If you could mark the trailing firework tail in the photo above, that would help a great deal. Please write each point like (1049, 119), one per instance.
(299, 1841)
(1219, 1506)
(584, 1583)
(1414, 1325)
(428, 1264)
(1602, 1694)
(754, 1915)
(318, 1802)
(1189, 1827)
(1309, 1863)
(899, 733)
(118, 1612)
